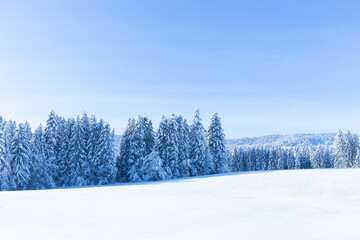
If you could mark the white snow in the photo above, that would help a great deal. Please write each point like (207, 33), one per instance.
(299, 204)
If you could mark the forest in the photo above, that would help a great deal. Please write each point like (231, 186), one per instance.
(80, 151)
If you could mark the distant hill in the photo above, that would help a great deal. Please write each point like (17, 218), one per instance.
(290, 140)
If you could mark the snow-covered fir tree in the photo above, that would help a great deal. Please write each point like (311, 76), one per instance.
(316, 157)
(103, 160)
(136, 143)
(186, 167)
(340, 151)
(272, 159)
(152, 168)
(6, 177)
(122, 161)
(237, 163)
(357, 160)
(351, 144)
(85, 123)
(198, 151)
(291, 159)
(216, 144)
(20, 157)
(167, 145)
(93, 140)
(79, 166)
(51, 133)
(39, 170)
(62, 161)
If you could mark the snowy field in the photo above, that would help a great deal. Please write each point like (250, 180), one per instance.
(304, 204)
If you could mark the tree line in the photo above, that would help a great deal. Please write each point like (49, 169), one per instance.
(80, 151)
(344, 153)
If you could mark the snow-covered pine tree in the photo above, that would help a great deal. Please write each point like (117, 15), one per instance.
(306, 156)
(355, 148)
(51, 133)
(136, 143)
(258, 158)
(79, 166)
(149, 135)
(263, 159)
(357, 159)
(85, 123)
(272, 159)
(122, 161)
(279, 159)
(186, 167)
(216, 144)
(236, 165)
(10, 128)
(137, 150)
(103, 160)
(316, 156)
(351, 145)
(251, 155)
(6, 178)
(167, 144)
(328, 158)
(39, 175)
(152, 168)
(63, 163)
(198, 150)
(20, 157)
(93, 140)
(27, 129)
(291, 159)
(340, 151)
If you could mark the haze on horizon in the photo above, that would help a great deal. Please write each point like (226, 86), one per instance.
(267, 67)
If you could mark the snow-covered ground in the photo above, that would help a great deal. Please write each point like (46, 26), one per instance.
(304, 204)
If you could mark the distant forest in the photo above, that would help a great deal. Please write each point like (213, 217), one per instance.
(82, 151)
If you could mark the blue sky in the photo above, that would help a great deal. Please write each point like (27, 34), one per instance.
(265, 66)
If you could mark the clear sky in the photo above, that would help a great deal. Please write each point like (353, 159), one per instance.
(265, 66)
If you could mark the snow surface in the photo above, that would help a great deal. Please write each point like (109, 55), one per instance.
(299, 204)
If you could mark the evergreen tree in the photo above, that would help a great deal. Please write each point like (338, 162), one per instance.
(280, 159)
(237, 164)
(149, 136)
(6, 178)
(328, 159)
(62, 162)
(122, 162)
(340, 151)
(167, 144)
(186, 168)
(351, 145)
(272, 159)
(316, 157)
(52, 140)
(93, 140)
(103, 163)
(291, 160)
(39, 175)
(139, 139)
(20, 157)
(357, 160)
(87, 128)
(251, 155)
(216, 144)
(79, 167)
(198, 150)
(152, 168)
